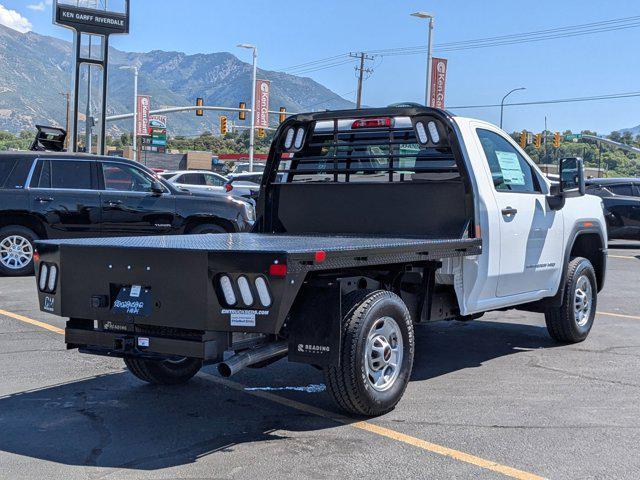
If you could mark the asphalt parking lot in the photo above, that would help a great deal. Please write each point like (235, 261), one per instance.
(494, 398)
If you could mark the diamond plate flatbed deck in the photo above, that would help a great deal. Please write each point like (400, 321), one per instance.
(342, 251)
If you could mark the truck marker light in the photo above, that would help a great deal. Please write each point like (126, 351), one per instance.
(288, 141)
(263, 291)
(44, 270)
(53, 277)
(245, 291)
(227, 290)
(422, 133)
(278, 270)
(299, 138)
(433, 131)
(382, 122)
(320, 256)
(587, 224)
(36, 256)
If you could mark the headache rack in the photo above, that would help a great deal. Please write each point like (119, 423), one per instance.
(335, 152)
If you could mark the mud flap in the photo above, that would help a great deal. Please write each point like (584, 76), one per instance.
(316, 325)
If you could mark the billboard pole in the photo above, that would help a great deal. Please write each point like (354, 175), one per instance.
(252, 132)
(91, 21)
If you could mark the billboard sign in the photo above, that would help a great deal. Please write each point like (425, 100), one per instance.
(91, 20)
(263, 88)
(144, 109)
(438, 82)
(158, 122)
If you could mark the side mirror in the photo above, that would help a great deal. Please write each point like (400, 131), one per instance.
(157, 188)
(572, 177)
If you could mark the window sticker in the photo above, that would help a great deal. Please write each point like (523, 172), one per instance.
(511, 169)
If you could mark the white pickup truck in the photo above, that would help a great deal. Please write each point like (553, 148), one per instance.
(370, 222)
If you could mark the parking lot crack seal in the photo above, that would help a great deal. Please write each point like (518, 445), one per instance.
(535, 363)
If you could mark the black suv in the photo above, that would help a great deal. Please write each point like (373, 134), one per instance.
(63, 195)
(621, 199)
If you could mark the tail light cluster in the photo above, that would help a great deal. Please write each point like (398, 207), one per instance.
(48, 278)
(242, 291)
(228, 187)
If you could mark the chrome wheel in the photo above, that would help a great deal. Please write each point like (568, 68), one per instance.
(16, 252)
(383, 354)
(583, 301)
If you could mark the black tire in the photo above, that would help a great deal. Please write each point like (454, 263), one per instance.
(563, 323)
(164, 372)
(207, 228)
(20, 232)
(348, 383)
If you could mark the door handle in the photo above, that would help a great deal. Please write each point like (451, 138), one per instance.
(509, 211)
(113, 203)
(44, 199)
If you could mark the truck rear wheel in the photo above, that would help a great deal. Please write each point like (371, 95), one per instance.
(572, 322)
(164, 372)
(377, 353)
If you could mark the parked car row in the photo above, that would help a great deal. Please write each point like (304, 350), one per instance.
(46, 195)
(621, 200)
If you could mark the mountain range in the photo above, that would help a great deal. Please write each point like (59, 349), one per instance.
(35, 71)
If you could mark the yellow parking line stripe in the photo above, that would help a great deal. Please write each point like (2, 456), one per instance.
(31, 321)
(620, 315)
(366, 426)
(382, 431)
(626, 257)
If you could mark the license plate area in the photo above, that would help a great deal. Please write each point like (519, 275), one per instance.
(133, 301)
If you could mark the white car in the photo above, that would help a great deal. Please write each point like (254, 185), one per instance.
(197, 180)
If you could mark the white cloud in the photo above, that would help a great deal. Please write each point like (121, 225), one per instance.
(12, 19)
(40, 6)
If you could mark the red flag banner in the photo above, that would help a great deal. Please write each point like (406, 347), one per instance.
(438, 82)
(263, 88)
(144, 109)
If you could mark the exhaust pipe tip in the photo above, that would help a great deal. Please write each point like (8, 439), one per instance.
(224, 370)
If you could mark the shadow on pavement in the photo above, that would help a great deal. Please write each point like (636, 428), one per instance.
(117, 422)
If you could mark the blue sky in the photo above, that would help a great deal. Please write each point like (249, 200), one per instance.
(293, 32)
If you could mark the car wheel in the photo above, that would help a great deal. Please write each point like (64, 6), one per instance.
(572, 322)
(164, 372)
(377, 354)
(208, 228)
(16, 250)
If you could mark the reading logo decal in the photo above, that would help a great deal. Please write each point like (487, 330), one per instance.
(49, 304)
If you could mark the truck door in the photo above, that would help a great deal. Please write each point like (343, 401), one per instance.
(64, 195)
(531, 234)
(129, 206)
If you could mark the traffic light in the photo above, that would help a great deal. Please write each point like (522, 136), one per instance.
(261, 133)
(283, 115)
(224, 127)
(538, 141)
(242, 115)
(199, 103)
(523, 139)
(556, 140)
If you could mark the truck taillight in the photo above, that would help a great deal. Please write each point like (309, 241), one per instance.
(263, 292)
(278, 270)
(48, 278)
(245, 291)
(382, 122)
(227, 290)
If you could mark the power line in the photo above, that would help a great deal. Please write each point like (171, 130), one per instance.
(593, 98)
(486, 42)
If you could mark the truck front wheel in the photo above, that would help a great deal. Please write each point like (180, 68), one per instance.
(164, 372)
(572, 322)
(377, 354)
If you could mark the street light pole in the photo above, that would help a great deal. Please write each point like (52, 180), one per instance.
(252, 132)
(430, 17)
(502, 103)
(134, 68)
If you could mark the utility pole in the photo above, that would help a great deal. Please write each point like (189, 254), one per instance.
(361, 71)
(68, 97)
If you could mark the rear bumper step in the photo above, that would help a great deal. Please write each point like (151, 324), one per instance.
(130, 344)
